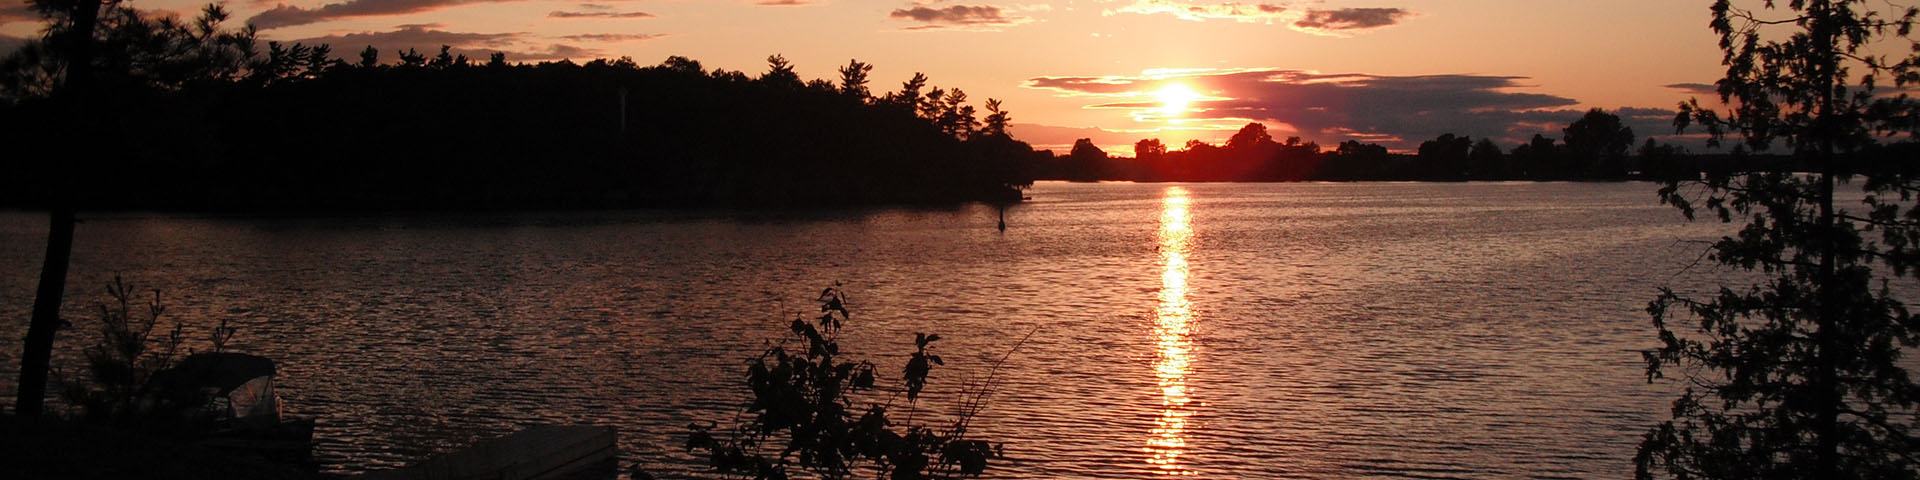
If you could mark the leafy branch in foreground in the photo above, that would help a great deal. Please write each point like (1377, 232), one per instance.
(1800, 376)
(803, 418)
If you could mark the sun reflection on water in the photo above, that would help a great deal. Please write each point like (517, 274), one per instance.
(1173, 347)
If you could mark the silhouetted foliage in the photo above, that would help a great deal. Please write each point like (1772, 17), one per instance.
(1663, 161)
(123, 358)
(1252, 136)
(1599, 152)
(1802, 375)
(1086, 158)
(134, 56)
(209, 122)
(803, 416)
(996, 122)
(780, 73)
(412, 58)
(853, 79)
(1538, 158)
(1486, 162)
(1445, 157)
(116, 389)
(908, 98)
(683, 66)
(1353, 160)
(1599, 143)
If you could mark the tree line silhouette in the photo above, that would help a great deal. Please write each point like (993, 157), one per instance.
(1597, 146)
(187, 115)
(183, 114)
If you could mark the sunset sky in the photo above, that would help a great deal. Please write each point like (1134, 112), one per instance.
(1385, 71)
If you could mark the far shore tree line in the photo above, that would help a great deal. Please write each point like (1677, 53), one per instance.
(187, 115)
(1597, 147)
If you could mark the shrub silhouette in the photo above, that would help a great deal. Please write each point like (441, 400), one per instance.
(803, 416)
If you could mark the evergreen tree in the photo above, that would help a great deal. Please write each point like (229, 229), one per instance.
(909, 95)
(780, 73)
(444, 60)
(95, 50)
(853, 79)
(997, 119)
(412, 58)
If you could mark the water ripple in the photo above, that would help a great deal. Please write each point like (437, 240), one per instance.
(1216, 331)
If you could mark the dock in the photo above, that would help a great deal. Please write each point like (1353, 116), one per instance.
(545, 452)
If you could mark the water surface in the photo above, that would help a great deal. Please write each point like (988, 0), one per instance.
(1209, 330)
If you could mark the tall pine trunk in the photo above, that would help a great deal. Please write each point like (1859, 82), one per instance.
(46, 314)
(77, 91)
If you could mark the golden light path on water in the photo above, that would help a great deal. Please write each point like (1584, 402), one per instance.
(1171, 330)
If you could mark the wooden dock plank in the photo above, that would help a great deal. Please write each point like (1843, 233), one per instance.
(545, 452)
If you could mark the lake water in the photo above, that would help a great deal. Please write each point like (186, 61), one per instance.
(1212, 330)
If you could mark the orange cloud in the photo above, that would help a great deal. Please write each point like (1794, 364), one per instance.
(1349, 19)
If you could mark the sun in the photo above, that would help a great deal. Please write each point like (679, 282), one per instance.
(1174, 99)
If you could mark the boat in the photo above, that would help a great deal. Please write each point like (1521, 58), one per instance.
(239, 411)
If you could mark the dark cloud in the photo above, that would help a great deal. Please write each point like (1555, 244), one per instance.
(558, 51)
(1350, 18)
(1648, 122)
(956, 16)
(1397, 111)
(952, 14)
(971, 17)
(428, 38)
(1695, 88)
(283, 15)
(611, 37)
(415, 36)
(598, 6)
(564, 14)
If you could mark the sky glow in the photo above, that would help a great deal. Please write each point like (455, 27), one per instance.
(1389, 71)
